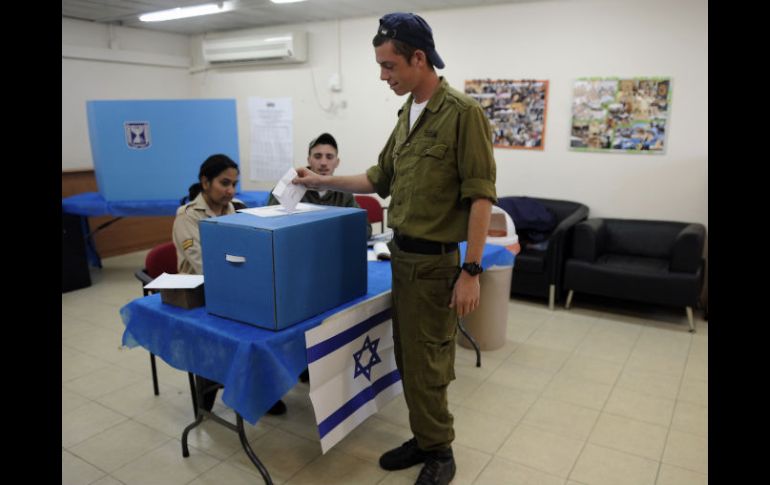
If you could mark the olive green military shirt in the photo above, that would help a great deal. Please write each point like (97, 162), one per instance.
(434, 171)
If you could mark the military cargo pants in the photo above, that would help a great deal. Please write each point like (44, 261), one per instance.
(424, 331)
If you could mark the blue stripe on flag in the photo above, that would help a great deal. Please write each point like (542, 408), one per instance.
(328, 346)
(357, 401)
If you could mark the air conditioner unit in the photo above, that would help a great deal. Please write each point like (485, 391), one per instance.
(281, 48)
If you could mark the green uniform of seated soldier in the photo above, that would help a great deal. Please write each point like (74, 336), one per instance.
(322, 159)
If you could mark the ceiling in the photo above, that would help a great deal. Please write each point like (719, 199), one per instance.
(250, 13)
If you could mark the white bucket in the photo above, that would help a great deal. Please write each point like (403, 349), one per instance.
(489, 322)
(501, 231)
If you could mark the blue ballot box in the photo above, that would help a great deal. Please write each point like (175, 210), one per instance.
(273, 272)
(153, 149)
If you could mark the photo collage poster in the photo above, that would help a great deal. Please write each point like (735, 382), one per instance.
(620, 115)
(516, 110)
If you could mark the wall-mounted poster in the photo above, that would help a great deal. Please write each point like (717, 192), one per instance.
(620, 115)
(515, 109)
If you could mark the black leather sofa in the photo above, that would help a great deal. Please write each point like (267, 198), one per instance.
(538, 272)
(657, 262)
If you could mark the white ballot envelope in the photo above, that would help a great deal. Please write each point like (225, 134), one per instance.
(279, 210)
(175, 281)
(287, 193)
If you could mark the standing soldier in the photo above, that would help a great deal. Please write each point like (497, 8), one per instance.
(439, 170)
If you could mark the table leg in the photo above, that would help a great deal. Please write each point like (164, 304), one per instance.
(91, 253)
(250, 453)
(198, 420)
(202, 414)
(193, 393)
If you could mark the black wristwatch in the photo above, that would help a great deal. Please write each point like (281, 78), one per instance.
(473, 268)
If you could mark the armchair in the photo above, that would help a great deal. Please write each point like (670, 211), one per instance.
(538, 268)
(648, 261)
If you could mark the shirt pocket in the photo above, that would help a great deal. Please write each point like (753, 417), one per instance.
(438, 171)
(435, 151)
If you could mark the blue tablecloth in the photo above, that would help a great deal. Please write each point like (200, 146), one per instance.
(93, 204)
(256, 366)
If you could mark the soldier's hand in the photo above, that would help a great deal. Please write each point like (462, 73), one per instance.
(466, 294)
(308, 178)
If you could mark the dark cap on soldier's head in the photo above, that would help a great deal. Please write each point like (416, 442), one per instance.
(413, 30)
(322, 139)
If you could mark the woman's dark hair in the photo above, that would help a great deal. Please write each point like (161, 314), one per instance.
(210, 169)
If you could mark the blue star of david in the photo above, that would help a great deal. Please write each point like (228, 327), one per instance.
(374, 359)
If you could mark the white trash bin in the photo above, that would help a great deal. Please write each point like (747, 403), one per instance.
(488, 324)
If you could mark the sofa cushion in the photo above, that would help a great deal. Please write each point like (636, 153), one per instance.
(635, 264)
(530, 261)
(640, 279)
(640, 237)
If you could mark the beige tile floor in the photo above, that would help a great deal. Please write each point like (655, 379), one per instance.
(595, 395)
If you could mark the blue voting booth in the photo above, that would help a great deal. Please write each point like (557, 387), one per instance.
(153, 149)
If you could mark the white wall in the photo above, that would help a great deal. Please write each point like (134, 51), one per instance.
(100, 62)
(560, 41)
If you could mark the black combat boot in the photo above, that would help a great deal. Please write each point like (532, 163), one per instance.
(439, 468)
(406, 455)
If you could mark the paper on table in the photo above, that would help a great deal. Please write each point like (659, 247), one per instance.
(277, 210)
(175, 281)
(381, 237)
(287, 193)
(381, 250)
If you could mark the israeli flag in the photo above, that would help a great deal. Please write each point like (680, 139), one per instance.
(352, 367)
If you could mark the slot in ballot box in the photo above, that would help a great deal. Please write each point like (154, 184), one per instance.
(273, 272)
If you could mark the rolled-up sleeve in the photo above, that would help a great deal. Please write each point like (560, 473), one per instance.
(476, 161)
(477, 189)
(380, 181)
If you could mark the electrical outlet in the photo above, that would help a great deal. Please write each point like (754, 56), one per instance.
(334, 83)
